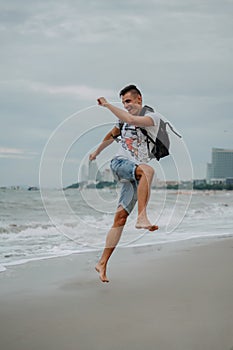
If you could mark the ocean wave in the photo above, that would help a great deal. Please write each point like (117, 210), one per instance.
(38, 237)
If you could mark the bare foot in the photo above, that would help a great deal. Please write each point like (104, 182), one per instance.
(146, 225)
(101, 269)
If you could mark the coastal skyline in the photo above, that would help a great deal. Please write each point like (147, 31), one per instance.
(57, 58)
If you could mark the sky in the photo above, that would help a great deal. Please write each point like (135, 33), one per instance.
(58, 56)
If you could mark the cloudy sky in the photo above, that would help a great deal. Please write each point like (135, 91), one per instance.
(58, 56)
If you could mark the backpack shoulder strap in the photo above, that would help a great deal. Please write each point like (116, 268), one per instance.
(116, 137)
(145, 109)
(143, 112)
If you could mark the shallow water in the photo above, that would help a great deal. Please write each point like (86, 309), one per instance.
(72, 221)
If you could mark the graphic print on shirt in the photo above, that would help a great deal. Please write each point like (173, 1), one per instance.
(133, 141)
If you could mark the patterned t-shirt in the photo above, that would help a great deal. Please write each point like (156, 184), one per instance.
(133, 144)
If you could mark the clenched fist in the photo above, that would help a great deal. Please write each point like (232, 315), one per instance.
(102, 101)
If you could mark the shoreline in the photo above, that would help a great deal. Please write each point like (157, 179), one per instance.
(94, 250)
(175, 296)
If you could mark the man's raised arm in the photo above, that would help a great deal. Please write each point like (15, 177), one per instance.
(126, 117)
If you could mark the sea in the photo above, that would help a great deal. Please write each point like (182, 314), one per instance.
(48, 223)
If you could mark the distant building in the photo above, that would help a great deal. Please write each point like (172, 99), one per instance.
(107, 175)
(92, 171)
(199, 182)
(209, 172)
(83, 173)
(221, 166)
(229, 181)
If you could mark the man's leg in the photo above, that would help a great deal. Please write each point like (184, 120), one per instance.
(144, 173)
(112, 239)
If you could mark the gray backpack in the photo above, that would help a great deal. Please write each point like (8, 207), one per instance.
(158, 147)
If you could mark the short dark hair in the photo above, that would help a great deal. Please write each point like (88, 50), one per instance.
(130, 88)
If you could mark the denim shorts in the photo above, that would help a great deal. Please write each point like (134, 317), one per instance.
(123, 171)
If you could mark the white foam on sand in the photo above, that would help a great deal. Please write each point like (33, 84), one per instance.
(2, 268)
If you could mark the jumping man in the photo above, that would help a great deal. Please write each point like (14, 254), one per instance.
(129, 166)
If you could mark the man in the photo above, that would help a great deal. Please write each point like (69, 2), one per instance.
(128, 167)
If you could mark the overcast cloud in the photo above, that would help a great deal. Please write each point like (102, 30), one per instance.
(57, 57)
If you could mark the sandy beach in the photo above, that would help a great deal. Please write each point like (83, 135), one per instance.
(166, 297)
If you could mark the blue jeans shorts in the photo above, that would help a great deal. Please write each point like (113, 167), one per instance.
(123, 171)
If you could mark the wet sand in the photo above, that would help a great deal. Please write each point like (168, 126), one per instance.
(166, 297)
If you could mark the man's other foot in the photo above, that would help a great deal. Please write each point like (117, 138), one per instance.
(146, 225)
(101, 269)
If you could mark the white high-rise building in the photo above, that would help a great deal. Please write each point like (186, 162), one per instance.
(92, 171)
(107, 175)
(83, 173)
(221, 166)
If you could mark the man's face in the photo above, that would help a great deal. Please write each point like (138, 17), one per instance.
(132, 102)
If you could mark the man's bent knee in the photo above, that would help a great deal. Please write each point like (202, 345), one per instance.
(144, 169)
(120, 217)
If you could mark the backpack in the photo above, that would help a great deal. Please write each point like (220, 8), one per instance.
(158, 147)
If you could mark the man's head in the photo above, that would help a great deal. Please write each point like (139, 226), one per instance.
(131, 98)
